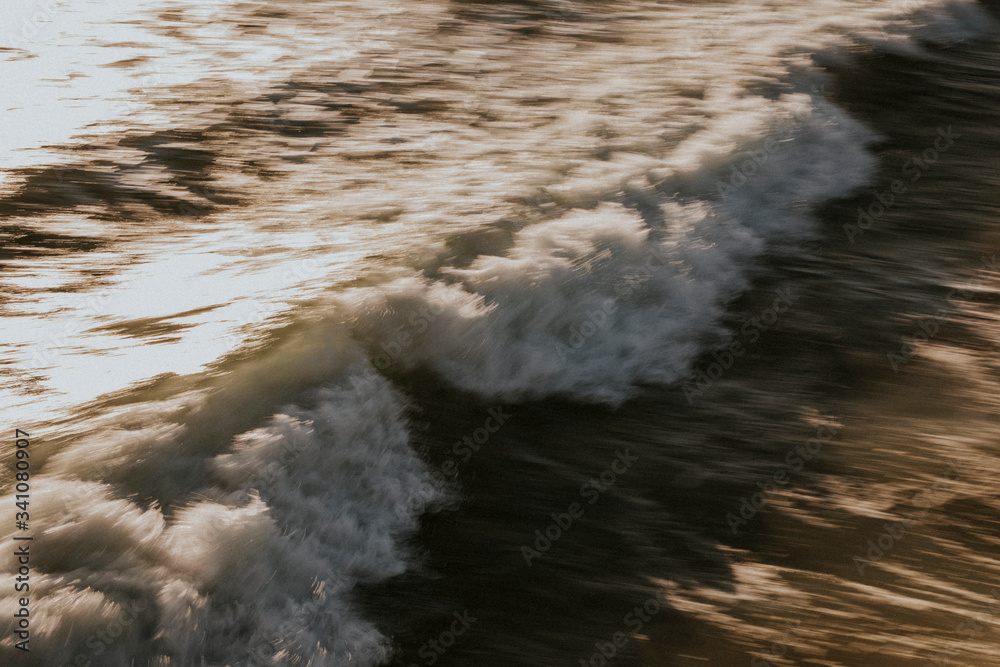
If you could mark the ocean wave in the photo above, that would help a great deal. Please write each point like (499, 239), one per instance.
(297, 513)
(593, 303)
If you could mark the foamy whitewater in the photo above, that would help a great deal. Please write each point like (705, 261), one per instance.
(315, 201)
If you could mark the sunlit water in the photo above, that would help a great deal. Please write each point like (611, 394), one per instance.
(257, 254)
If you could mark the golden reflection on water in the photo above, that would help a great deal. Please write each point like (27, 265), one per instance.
(247, 164)
(385, 128)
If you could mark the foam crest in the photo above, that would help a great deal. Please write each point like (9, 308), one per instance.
(596, 302)
(296, 513)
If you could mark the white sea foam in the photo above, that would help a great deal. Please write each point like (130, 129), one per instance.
(248, 539)
(592, 303)
(255, 568)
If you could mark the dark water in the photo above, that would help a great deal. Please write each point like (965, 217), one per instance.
(445, 333)
(799, 584)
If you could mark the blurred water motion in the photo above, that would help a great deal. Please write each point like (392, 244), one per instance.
(323, 315)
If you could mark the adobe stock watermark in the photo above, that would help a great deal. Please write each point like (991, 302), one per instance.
(44, 353)
(417, 324)
(929, 327)
(99, 642)
(291, 449)
(41, 16)
(794, 461)
(700, 38)
(590, 491)
(898, 8)
(750, 163)
(879, 547)
(702, 379)
(635, 620)
(597, 319)
(558, 10)
(270, 652)
(294, 447)
(970, 628)
(748, 167)
(778, 649)
(151, 78)
(206, 193)
(299, 272)
(913, 168)
(470, 444)
(432, 650)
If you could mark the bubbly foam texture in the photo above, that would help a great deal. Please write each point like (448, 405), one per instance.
(295, 514)
(593, 303)
(202, 538)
